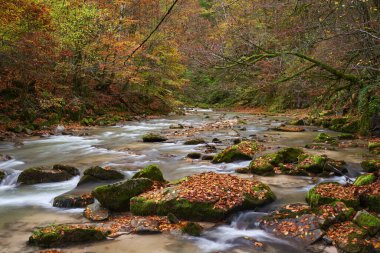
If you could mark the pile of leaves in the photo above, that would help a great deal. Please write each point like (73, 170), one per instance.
(337, 191)
(226, 191)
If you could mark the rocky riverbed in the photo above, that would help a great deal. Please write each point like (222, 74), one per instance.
(204, 182)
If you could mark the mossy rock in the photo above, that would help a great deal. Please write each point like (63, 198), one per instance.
(168, 200)
(371, 165)
(117, 196)
(40, 175)
(192, 228)
(242, 151)
(151, 172)
(194, 155)
(365, 179)
(296, 122)
(346, 136)
(68, 200)
(263, 165)
(323, 137)
(315, 199)
(97, 174)
(333, 213)
(153, 138)
(369, 222)
(292, 210)
(69, 169)
(288, 155)
(2, 175)
(194, 142)
(371, 201)
(374, 147)
(312, 163)
(62, 235)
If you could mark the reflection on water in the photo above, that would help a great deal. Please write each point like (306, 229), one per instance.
(121, 147)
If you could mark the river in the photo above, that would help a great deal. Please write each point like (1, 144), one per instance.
(27, 207)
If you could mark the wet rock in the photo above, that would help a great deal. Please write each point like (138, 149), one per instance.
(151, 172)
(296, 122)
(151, 137)
(4, 158)
(194, 155)
(288, 129)
(244, 170)
(367, 221)
(333, 213)
(69, 169)
(216, 140)
(40, 175)
(207, 157)
(143, 226)
(69, 200)
(2, 175)
(242, 151)
(63, 235)
(312, 163)
(365, 179)
(176, 126)
(323, 137)
(194, 142)
(346, 136)
(192, 228)
(117, 196)
(172, 218)
(371, 165)
(200, 197)
(96, 174)
(96, 212)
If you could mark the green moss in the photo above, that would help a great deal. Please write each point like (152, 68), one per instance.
(312, 164)
(323, 137)
(153, 138)
(262, 165)
(346, 136)
(192, 228)
(152, 172)
(367, 221)
(296, 122)
(365, 179)
(117, 196)
(194, 142)
(62, 235)
(242, 151)
(69, 169)
(371, 165)
(372, 202)
(287, 155)
(39, 175)
(103, 174)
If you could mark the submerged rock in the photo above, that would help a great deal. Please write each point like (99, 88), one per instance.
(206, 196)
(117, 196)
(62, 235)
(151, 172)
(96, 212)
(96, 174)
(4, 157)
(242, 151)
(40, 175)
(194, 142)
(151, 137)
(194, 155)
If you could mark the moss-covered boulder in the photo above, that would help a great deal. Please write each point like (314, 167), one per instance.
(374, 146)
(323, 137)
(194, 142)
(296, 122)
(349, 238)
(369, 222)
(263, 165)
(69, 169)
(151, 137)
(151, 172)
(68, 200)
(365, 179)
(192, 228)
(346, 136)
(98, 174)
(205, 197)
(62, 235)
(117, 196)
(371, 165)
(40, 175)
(327, 193)
(370, 196)
(242, 151)
(312, 163)
(2, 175)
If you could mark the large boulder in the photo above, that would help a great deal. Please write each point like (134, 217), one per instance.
(206, 197)
(117, 196)
(40, 175)
(151, 137)
(97, 173)
(151, 172)
(62, 235)
(368, 221)
(245, 150)
(371, 165)
(312, 163)
(327, 193)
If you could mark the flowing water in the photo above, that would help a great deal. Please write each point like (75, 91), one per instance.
(24, 208)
